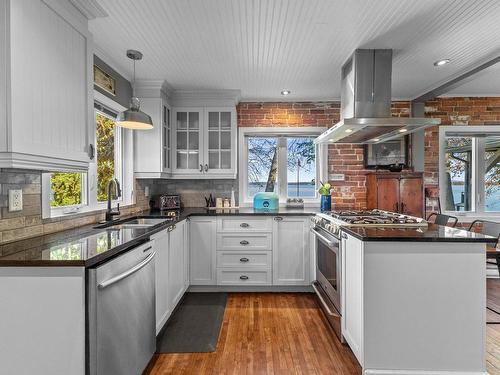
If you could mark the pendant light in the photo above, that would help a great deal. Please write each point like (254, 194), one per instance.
(134, 118)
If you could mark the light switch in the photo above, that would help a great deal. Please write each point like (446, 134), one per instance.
(15, 200)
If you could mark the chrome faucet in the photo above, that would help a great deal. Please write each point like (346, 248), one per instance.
(118, 193)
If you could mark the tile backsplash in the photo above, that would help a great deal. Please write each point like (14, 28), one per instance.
(193, 192)
(29, 223)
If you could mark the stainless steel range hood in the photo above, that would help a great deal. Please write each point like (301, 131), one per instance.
(366, 102)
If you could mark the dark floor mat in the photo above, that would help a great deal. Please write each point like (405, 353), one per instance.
(195, 325)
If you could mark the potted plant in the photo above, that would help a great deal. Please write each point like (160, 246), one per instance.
(326, 198)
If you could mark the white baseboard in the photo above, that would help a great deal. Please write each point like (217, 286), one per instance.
(421, 372)
(235, 289)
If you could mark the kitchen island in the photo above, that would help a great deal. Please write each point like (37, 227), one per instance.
(414, 299)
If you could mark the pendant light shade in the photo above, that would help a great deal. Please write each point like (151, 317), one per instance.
(134, 118)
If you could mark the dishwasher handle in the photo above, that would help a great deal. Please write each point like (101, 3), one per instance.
(127, 273)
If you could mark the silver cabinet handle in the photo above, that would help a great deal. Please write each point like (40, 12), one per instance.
(127, 273)
(344, 236)
(278, 218)
(91, 151)
(323, 238)
(243, 277)
(244, 225)
(206, 167)
(244, 260)
(244, 242)
(201, 167)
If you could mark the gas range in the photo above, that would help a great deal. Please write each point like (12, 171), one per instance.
(333, 220)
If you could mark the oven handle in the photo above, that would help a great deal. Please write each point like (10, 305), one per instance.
(323, 238)
(323, 302)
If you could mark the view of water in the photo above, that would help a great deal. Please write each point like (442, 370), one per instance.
(306, 189)
(492, 200)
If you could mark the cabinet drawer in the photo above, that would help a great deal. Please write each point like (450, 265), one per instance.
(244, 241)
(230, 276)
(245, 259)
(244, 224)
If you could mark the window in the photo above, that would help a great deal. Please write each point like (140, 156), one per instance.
(72, 192)
(281, 160)
(470, 170)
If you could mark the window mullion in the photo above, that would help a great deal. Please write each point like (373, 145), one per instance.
(478, 174)
(282, 169)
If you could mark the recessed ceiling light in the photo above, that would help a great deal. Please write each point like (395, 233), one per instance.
(403, 130)
(441, 62)
(376, 139)
(348, 130)
(285, 92)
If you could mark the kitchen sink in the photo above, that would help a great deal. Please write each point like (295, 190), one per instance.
(135, 223)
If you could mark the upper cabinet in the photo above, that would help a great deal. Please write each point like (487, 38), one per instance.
(46, 89)
(204, 143)
(194, 133)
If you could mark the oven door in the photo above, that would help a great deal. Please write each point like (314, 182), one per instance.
(328, 261)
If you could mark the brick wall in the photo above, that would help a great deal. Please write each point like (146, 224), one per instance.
(28, 222)
(346, 159)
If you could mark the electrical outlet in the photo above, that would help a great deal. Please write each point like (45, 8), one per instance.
(15, 200)
(146, 191)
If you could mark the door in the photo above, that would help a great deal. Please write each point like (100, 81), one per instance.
(388, 194)
(176, 266)
(411, 196)
(219, 152)
(188, 139)
(161, 241)
(166, 139)
(202, 242)
(291, 251)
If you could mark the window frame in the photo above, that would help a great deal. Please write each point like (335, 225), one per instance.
(321, 160)
(478, 195)
(124, 169)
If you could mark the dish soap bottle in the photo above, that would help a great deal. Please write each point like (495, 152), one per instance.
(233, 201)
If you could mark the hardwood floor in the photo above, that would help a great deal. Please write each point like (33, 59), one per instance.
(267, 333)
(285, 333)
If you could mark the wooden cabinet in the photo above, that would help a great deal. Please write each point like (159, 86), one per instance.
(204, 142)
(202, 245)
(352, 294)
(291, 253)
(46, 86)
(152, 148)
(396, 192)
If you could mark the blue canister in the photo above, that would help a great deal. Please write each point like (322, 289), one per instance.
(326, 203)
(266, 201)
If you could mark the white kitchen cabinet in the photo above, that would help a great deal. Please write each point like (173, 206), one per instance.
(46, 86)
(161, 245)
(352, 294)
(204, 142)
(291, 252)
(202, 248)
(152, 148)
(176, 265)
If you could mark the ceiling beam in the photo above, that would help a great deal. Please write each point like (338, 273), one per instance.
(455, 82)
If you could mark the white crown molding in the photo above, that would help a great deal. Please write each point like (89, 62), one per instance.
(205, 97)
(151, 88)
(90, 8)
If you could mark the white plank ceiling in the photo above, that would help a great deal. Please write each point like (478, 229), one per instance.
(264, 46)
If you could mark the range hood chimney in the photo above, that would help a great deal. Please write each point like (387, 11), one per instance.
(366, 102)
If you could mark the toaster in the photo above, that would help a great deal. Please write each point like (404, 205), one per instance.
(266, 201)
(165, 202)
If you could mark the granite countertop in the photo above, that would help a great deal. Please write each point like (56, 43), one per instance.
(431, 233)
(89, 246)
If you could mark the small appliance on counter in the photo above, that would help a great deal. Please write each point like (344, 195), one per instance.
(168, 204)
(266, 201)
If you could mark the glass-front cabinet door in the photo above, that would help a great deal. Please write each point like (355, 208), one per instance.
(166, 139)
(220, 143)
(188, 138)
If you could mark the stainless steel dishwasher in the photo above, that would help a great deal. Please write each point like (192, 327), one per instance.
(121, 313)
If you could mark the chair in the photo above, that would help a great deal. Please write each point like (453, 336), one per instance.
(443, 219)
(490, 228)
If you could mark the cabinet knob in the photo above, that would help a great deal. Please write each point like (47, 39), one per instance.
(244, 225)
(243, 277)
(278, 218)
(244, 260)
(244, 242)
(344, 236)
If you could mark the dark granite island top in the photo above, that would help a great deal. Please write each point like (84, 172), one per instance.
(89, 246)
(431, 233)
